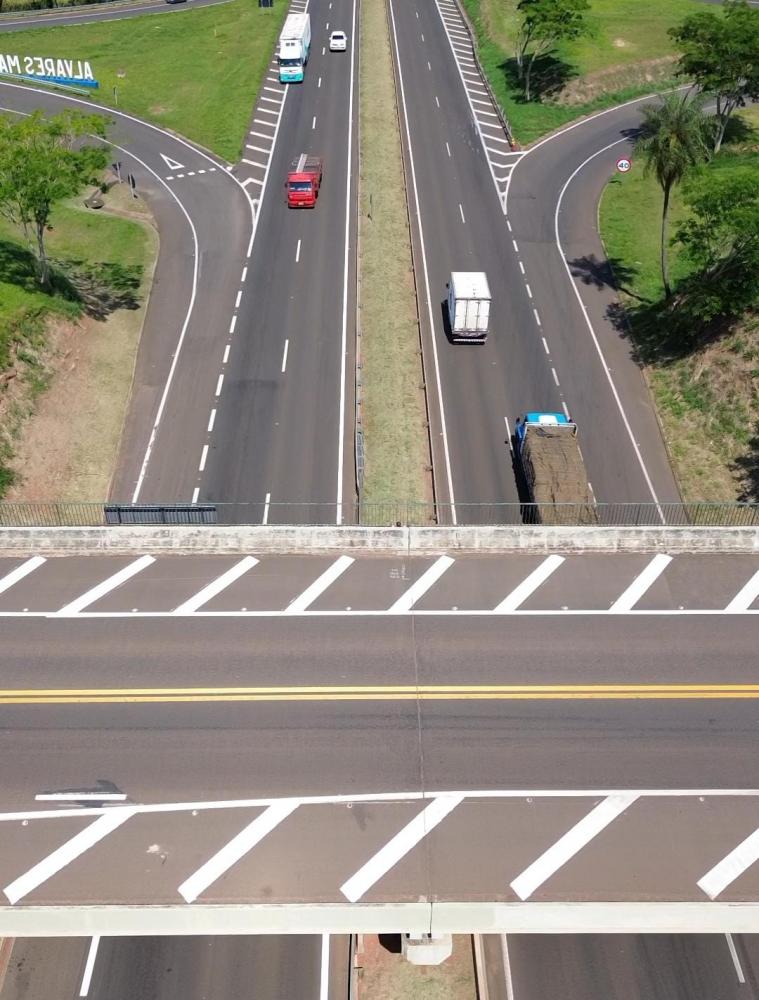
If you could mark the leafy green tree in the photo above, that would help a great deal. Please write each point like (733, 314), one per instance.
(43, 161)
(720, 52)
(721, 237)
(673, 138)
(543, 24)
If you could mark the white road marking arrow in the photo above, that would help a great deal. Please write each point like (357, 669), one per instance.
(171, 164)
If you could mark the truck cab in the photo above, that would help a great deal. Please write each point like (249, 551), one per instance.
(303, 181)
(540, 420)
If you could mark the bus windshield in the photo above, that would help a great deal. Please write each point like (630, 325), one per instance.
(289, 62)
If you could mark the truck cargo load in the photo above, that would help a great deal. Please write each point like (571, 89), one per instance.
(469, 306)
(303, 181)
(554, 470)
(294, 47)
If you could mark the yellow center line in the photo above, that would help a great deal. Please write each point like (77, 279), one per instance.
(400, 692)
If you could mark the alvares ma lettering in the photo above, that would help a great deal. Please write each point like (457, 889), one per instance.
(62, 69)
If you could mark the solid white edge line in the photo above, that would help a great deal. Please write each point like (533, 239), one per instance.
(216, 586)
(106, 586)
(642, 582)
(50, 865)
(418, 589)
(731, 867)
(89, 967)
(346, 262)
(589, 325)
(243, 842)
(284, 356)
(742, 600)
(267, 501)
(320, 584)
(529, 585)
(324, 969)
(433, 335)
(398, 847)
(22, 570)
(734, 955)
(507, 967)
(573, 841)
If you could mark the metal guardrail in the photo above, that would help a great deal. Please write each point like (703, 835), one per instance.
(396, 513)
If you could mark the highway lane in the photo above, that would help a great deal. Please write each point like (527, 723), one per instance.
(286, 405)
(204, 223)
(38, 19)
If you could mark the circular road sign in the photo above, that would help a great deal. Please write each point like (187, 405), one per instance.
(623, 164)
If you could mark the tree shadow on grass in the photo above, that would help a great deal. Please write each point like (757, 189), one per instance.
(99, 289)
(747, 467)
(740, 132)
(550, 74)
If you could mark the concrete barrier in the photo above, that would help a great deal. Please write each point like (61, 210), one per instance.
(303, 539)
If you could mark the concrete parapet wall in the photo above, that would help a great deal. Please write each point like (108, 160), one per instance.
(217, 539)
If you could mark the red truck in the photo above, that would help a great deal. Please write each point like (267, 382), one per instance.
(303, 181)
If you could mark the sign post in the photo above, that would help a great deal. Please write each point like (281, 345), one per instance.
(623, 164)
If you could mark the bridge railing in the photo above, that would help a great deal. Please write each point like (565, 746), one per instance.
(390, 513)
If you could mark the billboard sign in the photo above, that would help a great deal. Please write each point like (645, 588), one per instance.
(45, 69)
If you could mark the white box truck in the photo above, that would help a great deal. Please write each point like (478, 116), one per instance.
(294, 47)
(469, 306)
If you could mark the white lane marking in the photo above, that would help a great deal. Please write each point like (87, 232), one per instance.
(545, 345)
(320, 82)
(536, 314)
(555, 377)
(418, 589)
(515, 245)
(68, 852)
(252, 180)
(437, 101)
(233, 324)
(346, 261)
(736, 961)
(399, 846)
(203, 457)
(263, 121)
(507, 968)
(324, 968)
(599, 351)
(462, 213)
(80, 797)
(253, 163)
(237, 848)
(630, 597)
(101, 589)
(244, 274)
(297, 252)
(89, 967)
(448, 148)
(267, 501)
(521, 267)
(225, 358)
(731, 867)
(313, 123)
(323, 50)
(444, 432)
(428, 66)
(530, 584)
(216, 586)
(571, 843)
(237, 300)
(195, 494)
(284, 355)
(258, 149)
(219, 384)
(742, 600)
(26, 567)
(566, 410)
(320, 584)
(274, 90)
(529, 290)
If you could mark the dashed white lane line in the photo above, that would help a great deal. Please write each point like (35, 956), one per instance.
(529, 290)
(418, 589)
(437, 101)
(399, 846)
(736, 961)
(237, 300)
(323, 50)
(216, 586)
(233, 324)
(89, 967)
(211, 421)
(219, 384)
(521, 267)
(284, 356)
(67, 852)
(297, 252)
(515, 245)
(642, 582)
(244, 274)
(203, 457)
(555, 377)
(313, 123)
(327, 578)
(195, 494)
(529, 585)
(571, 843)
(745, 596)
(320, 82)
(448, 148)
(545, 345)
(267, 501)
(462, 214)
(566, 409)
(20, 572)
(236, 849)
(106, 586)
(508, 226)
(536, 314)
(428, 66)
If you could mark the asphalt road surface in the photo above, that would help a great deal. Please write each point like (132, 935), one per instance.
(37, 19)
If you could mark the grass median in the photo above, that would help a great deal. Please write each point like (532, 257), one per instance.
(196, 72)
(707, 396)
(66, 359)
(626, 53)
(393, 403)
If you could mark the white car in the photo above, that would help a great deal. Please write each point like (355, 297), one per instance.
(338, 41)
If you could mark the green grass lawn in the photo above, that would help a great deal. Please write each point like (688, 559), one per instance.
(195, 71)
(707, 398)
(623, 34)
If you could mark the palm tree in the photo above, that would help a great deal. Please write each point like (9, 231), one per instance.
(674, 137)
